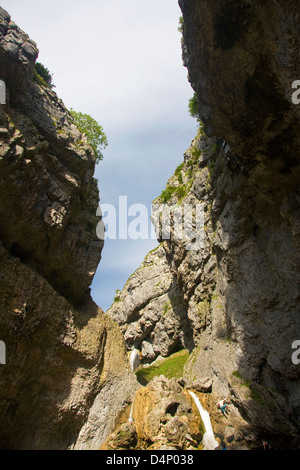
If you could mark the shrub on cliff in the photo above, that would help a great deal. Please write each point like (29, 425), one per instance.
(94, 132)
(42, 76)
(181, 24)
(194, 107)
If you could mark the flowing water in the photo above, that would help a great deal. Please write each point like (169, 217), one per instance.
(130, 419)
(209, 441)
(134, 359)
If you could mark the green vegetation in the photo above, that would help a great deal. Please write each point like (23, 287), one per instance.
(254, 395)
(203, 308)
(178, 172)
(215, 148)
(179, 169)
(167, 193)
(117, 296)
(211, 167)
(181, 192)
(194, 108)
(181, 24)
(170, 367)
(194, 112)
(42, 76)
(196, 152)
(258, 398)
(178, 191)
(94, 132)
(237, 375)
(195, 155)
(167, 307)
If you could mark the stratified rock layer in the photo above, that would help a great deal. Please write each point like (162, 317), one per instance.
(67, 376)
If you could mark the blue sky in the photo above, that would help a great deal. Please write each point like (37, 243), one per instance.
(119, 61)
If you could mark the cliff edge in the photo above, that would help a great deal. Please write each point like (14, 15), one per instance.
(61, 386)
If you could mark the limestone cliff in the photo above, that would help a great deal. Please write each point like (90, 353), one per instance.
(218, 319)
(150, 310)
(239, 292)
(67, 376)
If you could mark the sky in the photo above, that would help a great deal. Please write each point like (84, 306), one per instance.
(119, 61)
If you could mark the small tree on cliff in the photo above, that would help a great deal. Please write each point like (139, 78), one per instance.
(194, 111)
(42, 75)
(94, 132)
(194, 107)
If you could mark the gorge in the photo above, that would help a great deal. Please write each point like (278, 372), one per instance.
(210, 323)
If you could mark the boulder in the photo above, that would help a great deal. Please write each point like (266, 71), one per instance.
(203, 385)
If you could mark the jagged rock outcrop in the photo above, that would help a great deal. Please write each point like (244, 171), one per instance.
(49, 197)
(240, 288)
(150, 309)
(164, 418)
(67, 377)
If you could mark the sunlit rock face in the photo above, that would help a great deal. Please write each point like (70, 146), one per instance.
(60, 374)
(164, 418)
(150, 309)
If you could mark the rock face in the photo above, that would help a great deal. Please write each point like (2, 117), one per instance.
(150, 309)
(163, 418)
(49, 197)
(242, 60)
(17, 53)
(240, 289)
(232, 299)
(255, 218)
(61, 386)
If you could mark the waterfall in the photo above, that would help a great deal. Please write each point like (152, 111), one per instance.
(130, 419)
(209, 441)
(134, 359)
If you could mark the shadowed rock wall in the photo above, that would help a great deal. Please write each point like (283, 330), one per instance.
(60, 373)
